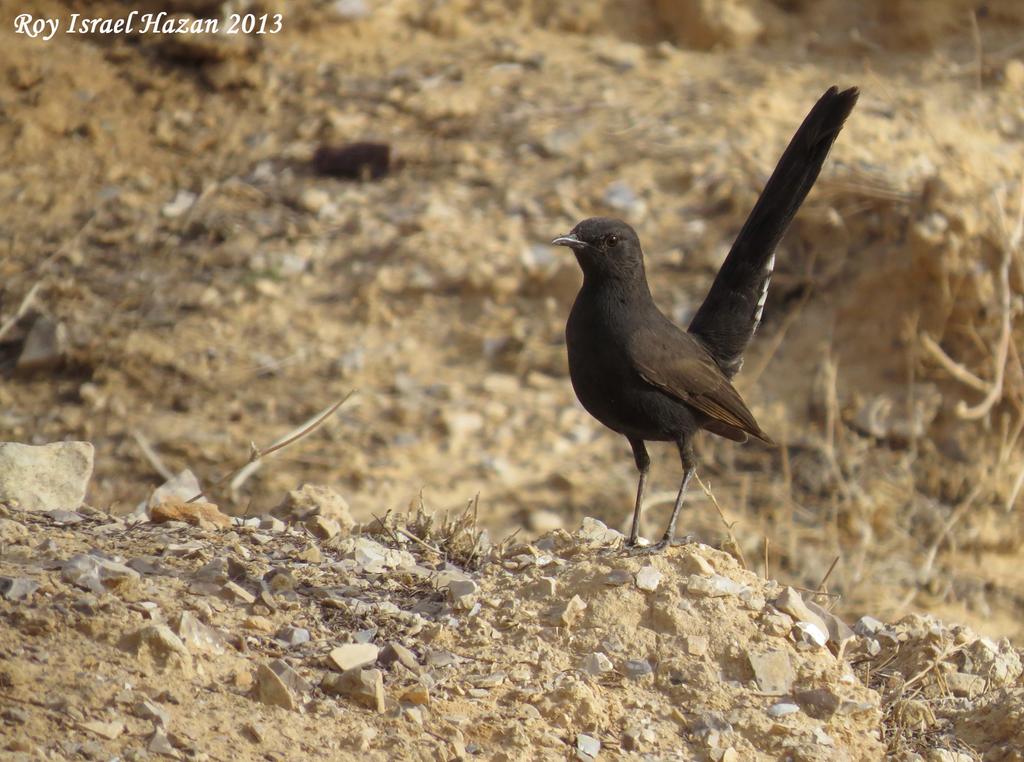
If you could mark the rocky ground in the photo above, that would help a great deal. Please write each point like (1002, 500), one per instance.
(185, 270)
(189, 635)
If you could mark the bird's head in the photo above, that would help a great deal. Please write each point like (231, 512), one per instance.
(605, 248)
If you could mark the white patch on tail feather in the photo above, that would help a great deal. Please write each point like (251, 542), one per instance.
(764, 291)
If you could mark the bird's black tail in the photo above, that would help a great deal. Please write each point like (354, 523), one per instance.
(732, 310)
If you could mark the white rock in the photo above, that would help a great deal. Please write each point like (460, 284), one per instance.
(183, 485)
(567, 614)
(96, 574)
(782, 709)
(350, 10)
(314, 200)
(597, 532)
(181, 203)
(353, 656)
(867, 625)
(588, 745)
(811, 633)
(773, 671)
(368, 553)
(463, 592)
(45, 477)
(596, 664)
(648, 578)
(715, 586)
(199, 636)
(792, 603)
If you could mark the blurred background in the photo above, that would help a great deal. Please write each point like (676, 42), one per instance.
(179, 277)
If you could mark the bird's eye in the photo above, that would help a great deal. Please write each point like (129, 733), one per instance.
(611, 241)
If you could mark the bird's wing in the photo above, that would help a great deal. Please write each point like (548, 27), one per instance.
(678, 364)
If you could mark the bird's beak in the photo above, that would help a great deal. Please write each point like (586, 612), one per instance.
(569, 240)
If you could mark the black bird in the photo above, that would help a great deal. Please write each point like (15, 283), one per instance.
(641, 375)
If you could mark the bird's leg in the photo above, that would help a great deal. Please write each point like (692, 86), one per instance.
(643, 465)
(686, 455)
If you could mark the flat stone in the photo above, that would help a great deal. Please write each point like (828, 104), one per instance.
(782, 709)
(150, 710)
(271, 690)
(491, 680)
(323, 527)
(636, 668)
(439, 658)
(792, 603)
(588, 745)
(773, 671)
(315, 500)
(45, 477)
(713, 586)
(417, 694)
(463, 593)
(46, 344)
(292, 636)
(693, 563)
(353, 656)
(811, 633)
(648, 578)
(365, 686)
(295, 682)
(310, 554)
(545, 587)
(235, 592)
(964, 685)
(596, 664)
(394, 651)
(95, 574)
(272, 524)
(64, 518)
(215, 570)
(569, 613)
(695, 645)
(158, 639)
(597, 532)
(199, 636)
(108, 730)
(375, 558)
(184, 485)
(184, 549)
(837, 629)
(867, 626)
(159, 743)
(17, 588)
(365, 636)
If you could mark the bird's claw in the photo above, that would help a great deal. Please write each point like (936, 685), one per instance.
(634, 549)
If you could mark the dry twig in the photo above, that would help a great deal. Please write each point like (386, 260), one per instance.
(725, 522)
(256, 454)
(26, 303)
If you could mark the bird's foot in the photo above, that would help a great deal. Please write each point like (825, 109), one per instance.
(635, 549)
